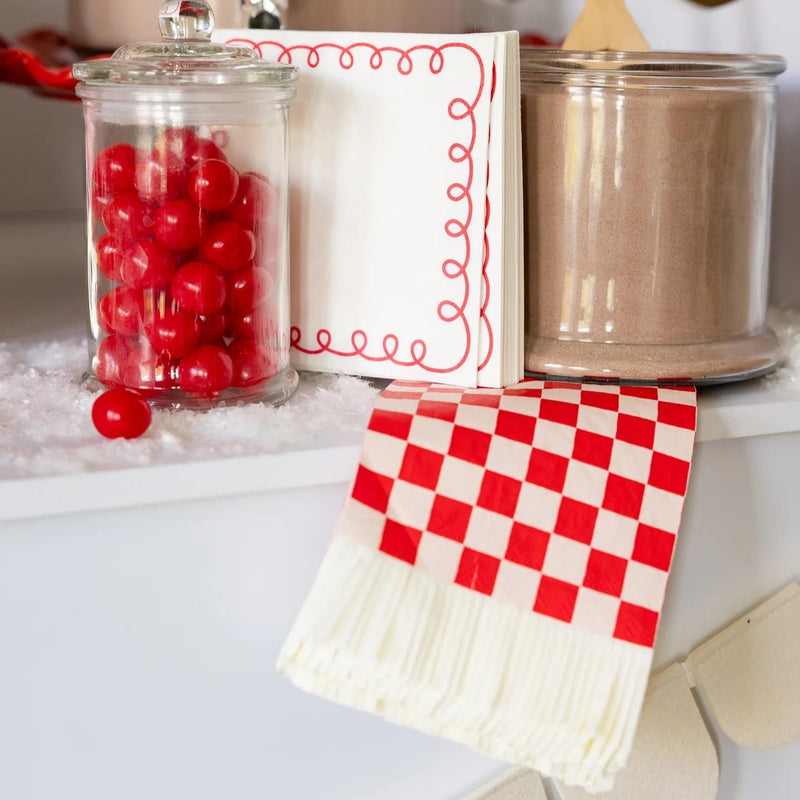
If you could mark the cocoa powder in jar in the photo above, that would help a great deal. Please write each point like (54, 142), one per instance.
(646, 219)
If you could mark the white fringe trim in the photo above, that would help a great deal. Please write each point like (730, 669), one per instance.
(378, 635)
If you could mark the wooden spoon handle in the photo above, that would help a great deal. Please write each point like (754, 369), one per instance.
(605, 25)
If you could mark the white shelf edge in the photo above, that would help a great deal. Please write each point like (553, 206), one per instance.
(745, 420)
(29, 498)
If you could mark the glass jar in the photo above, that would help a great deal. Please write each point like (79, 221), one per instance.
(648, 181)
(187, 183)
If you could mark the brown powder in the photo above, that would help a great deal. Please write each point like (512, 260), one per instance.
(647, 219)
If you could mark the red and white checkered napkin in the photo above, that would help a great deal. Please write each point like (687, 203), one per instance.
(500, 566)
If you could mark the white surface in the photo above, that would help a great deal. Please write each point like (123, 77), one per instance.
(137, 662)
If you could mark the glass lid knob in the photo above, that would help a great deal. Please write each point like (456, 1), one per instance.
(186, 19)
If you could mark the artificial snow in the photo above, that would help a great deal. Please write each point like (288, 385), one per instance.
(46, 426)
(786, 324)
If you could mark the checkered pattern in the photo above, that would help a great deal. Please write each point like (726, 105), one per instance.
(559, 498)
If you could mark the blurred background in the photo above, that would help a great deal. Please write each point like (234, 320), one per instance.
(41, 140)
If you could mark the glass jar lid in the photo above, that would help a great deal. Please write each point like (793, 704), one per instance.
(551, 64)
(185, 56)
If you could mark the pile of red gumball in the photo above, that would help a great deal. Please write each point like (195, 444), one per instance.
(188, 251)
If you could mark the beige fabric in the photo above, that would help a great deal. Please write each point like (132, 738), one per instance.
(673, 755)
(516, 784)
(750, 673)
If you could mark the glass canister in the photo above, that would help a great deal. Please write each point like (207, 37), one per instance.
(648, 180)
(187, 182)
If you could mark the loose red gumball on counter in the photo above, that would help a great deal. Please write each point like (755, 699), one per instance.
(121, 413)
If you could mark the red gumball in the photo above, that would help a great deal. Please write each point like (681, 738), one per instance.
(148, 371)
(202, 150)
(189, 147)
(121, 413)
(214, 327)
(212, 184)
(99, 202)
(109, 257)
(127, 216)
(248, 288)
(255, 202)
(112, 355)
(160, 175)
(113, 170)
(206, 371)
(251, 363)
(228, 245)
(172, 334)
(177, 224)
(245, 325)
(198, 288)
(148, 265)
(120, 311)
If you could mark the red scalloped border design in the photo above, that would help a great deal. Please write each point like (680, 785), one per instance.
(454, 269)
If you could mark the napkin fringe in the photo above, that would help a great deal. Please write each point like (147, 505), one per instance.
(381, 636)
